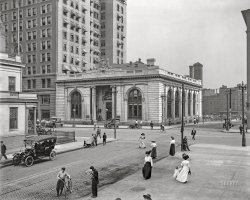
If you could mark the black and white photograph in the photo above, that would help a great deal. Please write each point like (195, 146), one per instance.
(125, 99)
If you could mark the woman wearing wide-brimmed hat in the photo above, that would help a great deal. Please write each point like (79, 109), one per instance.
(185, 170)
(172, 146)
(141, 141)
(153, 151)
(148, 164)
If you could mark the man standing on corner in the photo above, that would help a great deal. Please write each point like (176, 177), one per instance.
(104, 138)
(95, 181)
(193, 133)
(3, 150)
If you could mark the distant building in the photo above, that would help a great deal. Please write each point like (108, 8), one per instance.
(215, 101)
(196, 71)
(18, 109)
(141, 91)
(63, 37)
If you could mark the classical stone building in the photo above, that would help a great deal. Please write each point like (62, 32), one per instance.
(142, 91)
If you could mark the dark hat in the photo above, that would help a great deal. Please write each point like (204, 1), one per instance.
(185, 156)
(153, 141)
(1, 141)
(147, 196)
(91, 167)
(143, 134)
(63, 168)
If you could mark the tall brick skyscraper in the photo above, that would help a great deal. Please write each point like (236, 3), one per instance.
(62, 36)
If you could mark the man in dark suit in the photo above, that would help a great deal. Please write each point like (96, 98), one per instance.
(95, 181)
(3, 150)
(193, 133)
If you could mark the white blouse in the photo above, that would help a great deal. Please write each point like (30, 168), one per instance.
(172, 142)
(153, 145)
(148, 159)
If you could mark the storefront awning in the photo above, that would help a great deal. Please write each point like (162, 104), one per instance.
(65, 68)
(73, 69)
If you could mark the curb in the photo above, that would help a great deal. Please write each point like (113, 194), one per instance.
(9, 162)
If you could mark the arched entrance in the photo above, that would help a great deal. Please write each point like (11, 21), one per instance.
(177, 100)
(134, 104)
(169, 102)
(76, 105)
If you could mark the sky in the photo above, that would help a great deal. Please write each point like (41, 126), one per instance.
(179, 33)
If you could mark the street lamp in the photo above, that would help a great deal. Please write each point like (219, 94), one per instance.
(182, 116)
(74, 112)
(243, 87)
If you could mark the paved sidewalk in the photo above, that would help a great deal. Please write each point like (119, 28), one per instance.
(60, 148)
(218, 172)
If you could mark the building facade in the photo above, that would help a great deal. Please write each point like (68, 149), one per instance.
(137, 91)
(246, 16)
(196, 71)
(215, 101)
(62, 37)
(18, 109)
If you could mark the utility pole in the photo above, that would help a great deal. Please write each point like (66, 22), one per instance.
(182, 115)
(230, 105)
(227, 128)
(243, 87)
(115, 112)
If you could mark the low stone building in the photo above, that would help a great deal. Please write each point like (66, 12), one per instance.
(142, 92)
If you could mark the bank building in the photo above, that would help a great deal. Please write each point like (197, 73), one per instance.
(136, 91)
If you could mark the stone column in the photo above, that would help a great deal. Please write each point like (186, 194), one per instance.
(186, 104)
(191, 106)
(94, 103)
(246, 16)
(180, 103)
(166, 102)
(173, 104)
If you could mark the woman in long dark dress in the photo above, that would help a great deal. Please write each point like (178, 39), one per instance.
(172, 146)
(153, 152)
(95, 181)
(148, 164)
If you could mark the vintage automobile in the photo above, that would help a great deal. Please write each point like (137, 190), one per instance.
(36, 148)
(112, 123)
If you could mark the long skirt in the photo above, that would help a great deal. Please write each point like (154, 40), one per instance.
(146, 170)
(153, 153)
(172, 150)
(59, 185)
(183, 175)
(142, 145)
(94, 188)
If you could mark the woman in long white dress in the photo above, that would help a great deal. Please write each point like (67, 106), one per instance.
(141, 141)
(185, 170)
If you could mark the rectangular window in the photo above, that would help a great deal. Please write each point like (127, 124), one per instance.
(34, 83)
(48, 83)
(34, 69)
(34, 11)
(43, 45)
(21, 14)
(65, 47)
(43, 21)
(13, 118)
(34, 23)
(14, 27)
(14, 16)
(43, 83)
(48, 32)
(12, 83)
(49, 8)
(43, 11)
(64, 58)
(48, 68)
(29, 12)
(48, 45)
(20, 26)
(43, 33)
(64, 35)
(43, 69)
(43, 57)
(34, 46)
(29, 84)
(34, 35)
(49, 20)
(48, 57)
(29, 70)
(45, 99)
(29, 58)
(33, 58)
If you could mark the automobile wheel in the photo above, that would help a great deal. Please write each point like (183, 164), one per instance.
(29, 161)
(52, 155)
(16, 160)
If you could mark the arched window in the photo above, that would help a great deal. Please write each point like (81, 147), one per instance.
(134, 104)
(76, 106)
(194, 104)
(177, 100)
(189, 104)
(169, 106)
